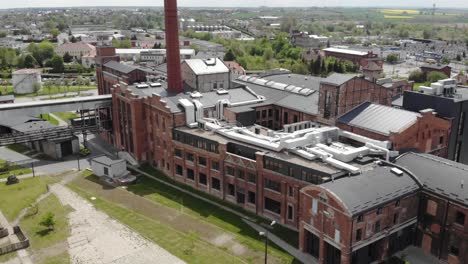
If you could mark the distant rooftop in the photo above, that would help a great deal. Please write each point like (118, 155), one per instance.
(346, 51)
(207, 66)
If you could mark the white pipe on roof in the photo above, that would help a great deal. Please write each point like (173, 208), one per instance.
(386, 151)
(383, 144)
(189, 107)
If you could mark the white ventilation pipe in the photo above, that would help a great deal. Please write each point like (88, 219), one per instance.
(383, 144)
(190, 118)
(386, 151)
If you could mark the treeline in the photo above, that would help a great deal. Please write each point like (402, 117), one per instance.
(331, 64)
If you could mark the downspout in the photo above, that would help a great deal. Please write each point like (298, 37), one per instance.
(444, 225)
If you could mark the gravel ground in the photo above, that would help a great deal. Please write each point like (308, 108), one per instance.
(97, 238)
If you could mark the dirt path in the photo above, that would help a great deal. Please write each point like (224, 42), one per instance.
(177, 219)
(97, 238)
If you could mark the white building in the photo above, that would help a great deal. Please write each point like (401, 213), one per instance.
(157, 56)
(105, 166)
(205, 75)
(25, 80)
(76, 50)
(303, 39)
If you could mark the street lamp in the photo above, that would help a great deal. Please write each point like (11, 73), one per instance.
(265, 234)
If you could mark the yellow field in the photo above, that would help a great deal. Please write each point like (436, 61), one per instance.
(400, 11)
(397, 17)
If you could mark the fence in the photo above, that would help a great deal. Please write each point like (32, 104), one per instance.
(23, 242)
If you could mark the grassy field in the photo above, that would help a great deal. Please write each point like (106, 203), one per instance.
(20, 148)
(49, 90)
(400, 11)
(195, 218)
(397, 17)
(63, 258)
(12, 169)
(38, 235)
(66, 116)
(210, 213)
(16, 197)
(187, 247)
(49, 118)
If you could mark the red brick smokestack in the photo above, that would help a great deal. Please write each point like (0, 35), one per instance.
(174, 79)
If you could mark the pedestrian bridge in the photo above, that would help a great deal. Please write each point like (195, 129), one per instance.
(36, 108)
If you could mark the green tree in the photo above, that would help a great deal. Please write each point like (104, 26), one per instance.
(48, 221)
(67, 57)
(392, 58)
(36, 88)
(229, 56)
(427, 34)
(416, 76)
(445, 60)
(56, 63)
(435, 76)
(54, 32)
(29, 61)
(42, 51)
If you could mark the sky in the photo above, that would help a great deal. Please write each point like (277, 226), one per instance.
(235, 3)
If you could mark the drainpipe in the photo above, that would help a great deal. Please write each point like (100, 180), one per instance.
(444, 226)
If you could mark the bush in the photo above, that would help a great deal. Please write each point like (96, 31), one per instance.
(435, 76)
(84, 151)
(48, 221)
(416, 76)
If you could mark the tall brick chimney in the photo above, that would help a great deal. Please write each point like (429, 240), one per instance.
(174, 79)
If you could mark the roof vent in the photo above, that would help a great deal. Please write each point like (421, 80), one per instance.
(156, 84)
(143, 85)
(222, 91)
(397, 172)
(210, 61)
(305, 78)
(196, 95)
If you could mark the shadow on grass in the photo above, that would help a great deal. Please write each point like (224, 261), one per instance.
(44, 232)
(105, 185)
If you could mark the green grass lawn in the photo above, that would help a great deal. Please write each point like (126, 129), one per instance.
(16, 197)
(66, 116)
(12, 169)
(39, 236)
(6, 257)
(49, 118)
(226, 220)
(416, 85)
(20, 148)
(49, 91)
(187, 247)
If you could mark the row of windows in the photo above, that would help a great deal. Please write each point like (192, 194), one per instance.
(198, 142)
(202, 178)
(300, 174)
(239, 173)
(201, 160)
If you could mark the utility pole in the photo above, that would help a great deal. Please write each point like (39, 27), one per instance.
(32, 167)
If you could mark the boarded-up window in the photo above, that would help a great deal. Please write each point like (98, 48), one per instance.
(314, 206)
(431, 207)
(337, 236)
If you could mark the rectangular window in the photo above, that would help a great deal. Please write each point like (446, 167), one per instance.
(377, 227)
(215, 183)
(290, 212)
(359, 234)
(251, 198)
(290, 172)
(251, 177)
(277, 115)
(189, 157)
(179, 170)
(215, 165)
(397, 203)
(272, 185)
(106, 171)
(285, 118)
(178, 153)
(460, 219)
(258, 114)
(202, 178)
(264, 113)
(431, 207)
(360, 218)
(441, 140)
(290, 191)
(230, 170)
(314, 206)
(395, 218)
(379, 210)
(272, 205)
(202, 161)
(231, 189)
(190, 174)
(296, 119)
(240, 174)
(270, 112)
(454, 251)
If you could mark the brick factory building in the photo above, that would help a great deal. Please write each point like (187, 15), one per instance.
(428, 68)
(407, 131)
(357, 57)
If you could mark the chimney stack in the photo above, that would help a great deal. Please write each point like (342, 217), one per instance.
(174, 78)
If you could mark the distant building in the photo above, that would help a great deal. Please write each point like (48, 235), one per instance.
(462, 78)
(448, 101)
(304, 40)
(372, 69)
(407, 131)
(428, 68)
(76, 50)
(205, 75)
(7, 99)
(235, 67)
(356, 57)
(25, 81)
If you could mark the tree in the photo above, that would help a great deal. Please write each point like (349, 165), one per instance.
(48, 221)
(229, 56)
(67, 57)
(56, 63)
(427, 34)
(36, 88)
(54, 32)
(42, 51)
(416, 76)
(435, 76)
(458, 57)
(445, 60)
(79, 82)
(392, 58)
(29, 61)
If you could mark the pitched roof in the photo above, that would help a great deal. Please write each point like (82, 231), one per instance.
(435, 66)
(17, 120)
(26, 71)
(379, 118)
(208, 66)
(78, 46)
(438, 175)
(371, 188)
(346, 51)
(124, 68)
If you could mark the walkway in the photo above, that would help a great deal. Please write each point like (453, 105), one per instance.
(60, 121)
(97, 238)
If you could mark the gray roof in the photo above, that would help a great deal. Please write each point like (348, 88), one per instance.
(105, 160)
(371, 188)
(207, 66)
(438, 175)
(17, 120)
(299, 80)
(121, 67)
(32, 126)
(380, 119)
(434, 66)
(338, 78)
(4, 98)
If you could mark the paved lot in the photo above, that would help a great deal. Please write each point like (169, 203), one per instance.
(97, 238)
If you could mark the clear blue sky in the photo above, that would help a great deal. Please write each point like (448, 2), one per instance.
(234, 3)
